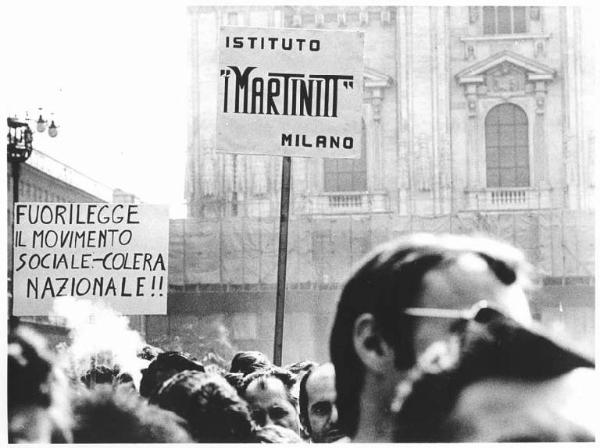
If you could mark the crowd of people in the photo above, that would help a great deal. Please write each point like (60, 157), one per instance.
(432, 341)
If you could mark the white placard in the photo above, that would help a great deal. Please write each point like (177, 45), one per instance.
(112, 253)
(290, 92)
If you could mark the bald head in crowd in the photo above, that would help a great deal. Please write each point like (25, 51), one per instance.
(374, 343)
(318, 412)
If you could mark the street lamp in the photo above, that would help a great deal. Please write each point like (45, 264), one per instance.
(18, 149)
(41, 125)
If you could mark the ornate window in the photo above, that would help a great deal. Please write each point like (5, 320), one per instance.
(347, 174)
(507, 147)
(504, 19)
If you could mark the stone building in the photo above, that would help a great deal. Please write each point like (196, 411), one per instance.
(474, 119)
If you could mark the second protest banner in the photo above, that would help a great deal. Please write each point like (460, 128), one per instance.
(290, 92)
(113, 253)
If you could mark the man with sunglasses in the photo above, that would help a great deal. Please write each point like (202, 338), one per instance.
(374, 343)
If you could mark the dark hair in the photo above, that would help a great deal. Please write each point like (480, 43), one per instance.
(105, 415)
(177, 361)
(303, 400)
(211, 406)
(301, 367)
(149, 352)
(285, 376)
(100, 375)
(498, 347)
(235, 379)
(248, 362)
(389, 280)
(34, 381)
(29, 370)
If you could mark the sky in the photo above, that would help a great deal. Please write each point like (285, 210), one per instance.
(114, 75)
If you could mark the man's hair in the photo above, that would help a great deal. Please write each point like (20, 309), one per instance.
(211, 406)
(106, 415)
(100, 375)
(29, 370)
(304, 400)
(285, 376)
(300, 367)
(389, 280)
(149, 352)
(178, 361)
(495, 347)
(33, 380)
(248, 362)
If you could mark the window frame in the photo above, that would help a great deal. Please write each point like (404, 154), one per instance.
(512, 20)
(365, 168)
(525, 142)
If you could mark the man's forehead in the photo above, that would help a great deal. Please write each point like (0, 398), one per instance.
(265, 387)
(321, 382)
(468, 280)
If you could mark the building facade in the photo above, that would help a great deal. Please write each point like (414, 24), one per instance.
(474, 119)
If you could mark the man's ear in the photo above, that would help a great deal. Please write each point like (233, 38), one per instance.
(374, 352)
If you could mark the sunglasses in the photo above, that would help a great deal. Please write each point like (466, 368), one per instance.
(480, 312)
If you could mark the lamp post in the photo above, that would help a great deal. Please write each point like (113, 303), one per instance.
(18, 149)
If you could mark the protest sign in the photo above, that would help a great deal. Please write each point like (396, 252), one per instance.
(113, 253)
(290, 92)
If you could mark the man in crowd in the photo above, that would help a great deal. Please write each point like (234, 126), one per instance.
(210, 405)
(163, 367)
(498, 382)
(270, 398)
(373, 343)
(318, 412)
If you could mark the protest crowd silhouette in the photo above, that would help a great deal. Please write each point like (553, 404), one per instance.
(432, 341)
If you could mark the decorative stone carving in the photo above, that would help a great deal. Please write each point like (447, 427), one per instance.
(470, 53)
(319, 19)
(540, 97)
(473, 14)
(505, 75)
(540, 49)
(363, 16)
(534, 13)
(374, 84)
(423, 163)
(505, 78)
(341, 19)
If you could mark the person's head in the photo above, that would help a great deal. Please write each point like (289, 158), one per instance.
(371, 338)
(497, 381)
(163, 367)
(106, 415)
(211, 406)
(149, 352)
(248, 362)
(36, 396)
(270, 398)
(100, 375)
(318, 412)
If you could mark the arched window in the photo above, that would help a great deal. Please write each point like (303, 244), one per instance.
(347, 174)
(507, 147)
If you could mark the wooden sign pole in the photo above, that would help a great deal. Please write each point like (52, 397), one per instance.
(282, 258)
